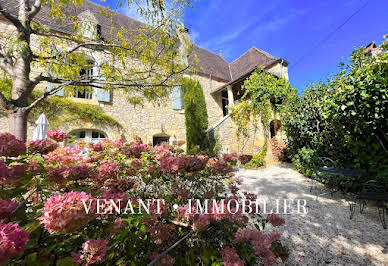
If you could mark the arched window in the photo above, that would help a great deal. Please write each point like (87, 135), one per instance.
(89, 135)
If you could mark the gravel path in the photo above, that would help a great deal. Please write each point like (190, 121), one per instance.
(325, 235)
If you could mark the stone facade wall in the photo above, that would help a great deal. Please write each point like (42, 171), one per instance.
(279, 70)
(157, 119)
(225, 133)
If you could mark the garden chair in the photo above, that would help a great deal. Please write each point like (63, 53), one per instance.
(336, 178)
(372, 190)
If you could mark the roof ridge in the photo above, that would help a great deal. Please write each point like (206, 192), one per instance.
(263, 52)
(241, 55)
(211, 52)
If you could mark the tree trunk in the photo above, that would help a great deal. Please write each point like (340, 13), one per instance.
(17, 120)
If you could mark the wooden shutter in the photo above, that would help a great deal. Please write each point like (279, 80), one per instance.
(103, 95)
(177, 98)
(51, 86)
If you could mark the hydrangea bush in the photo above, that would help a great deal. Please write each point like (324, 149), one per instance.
(48, 210)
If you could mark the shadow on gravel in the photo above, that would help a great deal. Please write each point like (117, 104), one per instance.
(325, 235)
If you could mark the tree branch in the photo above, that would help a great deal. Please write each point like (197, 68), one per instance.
(3, 101)
(35, 9)
(6, 64)
(15, 21)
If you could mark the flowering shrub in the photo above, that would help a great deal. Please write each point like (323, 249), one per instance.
(65, 212)
(85, 210)
(7, 207)
(12, 240)
(57, 135)
(11, 146)
(93, 251)
(245, 158)
(41, 146)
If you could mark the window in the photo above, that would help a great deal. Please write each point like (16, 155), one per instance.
(88, 29)
(225, 102)
(86, 92)
(156, 140)
(89, 135)
(178, 99)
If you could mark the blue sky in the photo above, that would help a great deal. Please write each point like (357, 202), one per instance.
(288, 29)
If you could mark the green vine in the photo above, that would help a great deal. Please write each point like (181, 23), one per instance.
(61, 110)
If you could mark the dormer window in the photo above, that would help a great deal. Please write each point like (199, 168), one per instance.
(89, 30)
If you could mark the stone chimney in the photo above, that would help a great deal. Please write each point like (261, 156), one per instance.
(184, 43)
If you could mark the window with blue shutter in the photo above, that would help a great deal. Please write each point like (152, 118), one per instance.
(177, 99)
(103, 95)
(51, 86)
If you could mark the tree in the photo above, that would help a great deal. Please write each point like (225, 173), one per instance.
(145, 62)
(346, 118)
(196, 118)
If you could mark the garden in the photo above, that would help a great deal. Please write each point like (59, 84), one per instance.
(49, 213)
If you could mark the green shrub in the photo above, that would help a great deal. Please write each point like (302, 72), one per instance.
(196, 118)
(305, 160)
(258, 159)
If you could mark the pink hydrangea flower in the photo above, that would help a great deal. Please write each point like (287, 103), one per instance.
(41, 146)
(7, 207)
(66, 212)
(230, 257)
(10, 146)
(221, 168)
(67, 173)
(108, 170)
(161, 233)
(201, 222)
(57, 135)
(93, 250)
(118, 143)
(275, 219)
(230, 158)
(11, 174)
(135, 150)
(247, 234)
(195, 163)
(4, 171)
(186, 213)
(12, 240)
(118, 225)
(65, 156)
(172, 165)
(160, 152)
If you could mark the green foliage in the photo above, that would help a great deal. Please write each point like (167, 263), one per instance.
(263, 88)
(345, 119)
(61, 110)
(265, 96)
(6, 86)
(258, 159)
(305, 160)
(196, 118)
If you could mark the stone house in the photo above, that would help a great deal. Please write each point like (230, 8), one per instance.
(221, 82)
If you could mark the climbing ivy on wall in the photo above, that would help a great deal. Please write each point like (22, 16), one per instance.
(196, 117)
(60, 110)
(265, 96)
